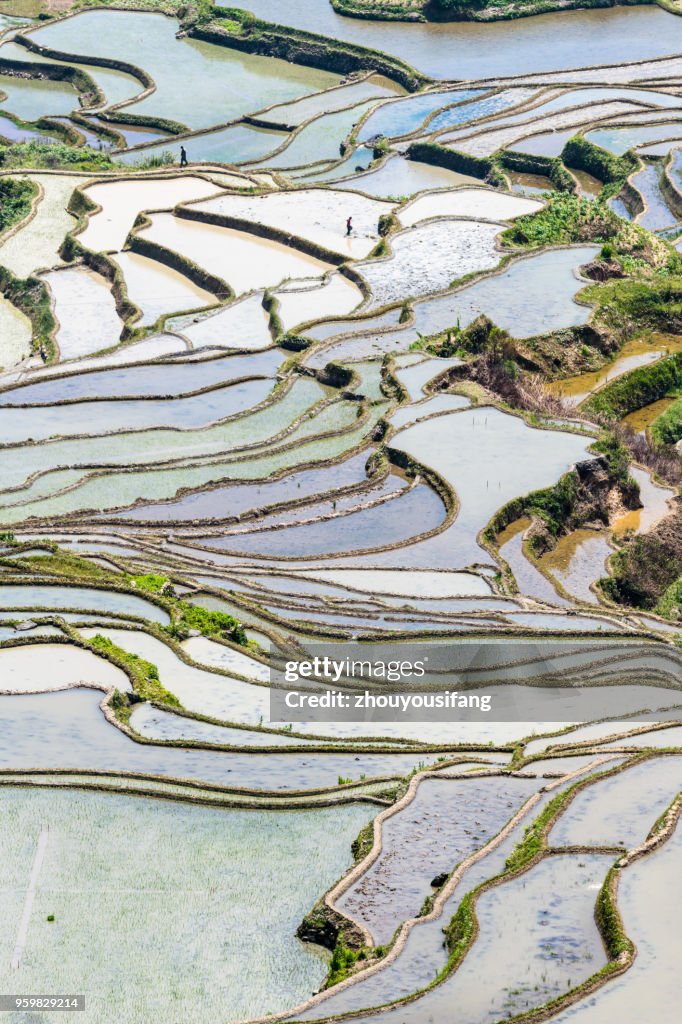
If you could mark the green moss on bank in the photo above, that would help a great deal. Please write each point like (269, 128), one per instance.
(188, 616)
(143, 674)
(30, 295)
(613, 170)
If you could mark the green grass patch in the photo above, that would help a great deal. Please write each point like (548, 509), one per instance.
(54, 155)
(569, 219)
(613, 170)
(143, 674)
(342, 962)
(151, 582)
(616, 454)
(638, 388)
(609, 921)
(210, 623)
(667, 428)
(16, 197)
(460, 931)
(363, 842)
(670, 604)
(566, 218)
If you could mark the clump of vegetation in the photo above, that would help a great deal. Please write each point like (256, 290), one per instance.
(569, 218)
(53, 155)
(210, 623)
(152, 583)
(627, 307)
(16, 196)
(166, 158)
(617, 456)
(636, 389)
(460, 931)
(342, 962)
(388, 222)
(564, 219)
(646, 572)
(667, 429)
(144, 675)
(609, 921)
(31, 296)
(121, 706)
(363, 842)
(613, 170)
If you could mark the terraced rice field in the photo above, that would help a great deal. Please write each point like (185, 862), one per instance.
(361, 344)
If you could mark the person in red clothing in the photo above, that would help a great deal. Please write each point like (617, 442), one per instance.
(349, 226)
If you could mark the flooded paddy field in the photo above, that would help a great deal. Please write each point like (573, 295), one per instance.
(445, 826)
(85, 852)
(309, 327)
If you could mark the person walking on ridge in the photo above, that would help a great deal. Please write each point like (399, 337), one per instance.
(349, 226)
(183, 156)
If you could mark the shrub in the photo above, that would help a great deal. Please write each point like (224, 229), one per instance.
(15, 201)
(667, 429)
(566, 218)
(36, 154)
